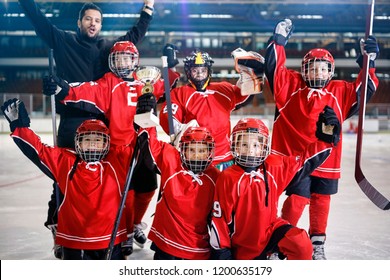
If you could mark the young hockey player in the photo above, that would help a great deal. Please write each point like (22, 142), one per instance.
(207, 104)
(91, 179)
(299, 98)
(80, 56)
(180, 224)
(115, 95)
(245, 222)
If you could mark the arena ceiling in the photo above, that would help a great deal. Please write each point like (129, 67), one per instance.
(213, 15)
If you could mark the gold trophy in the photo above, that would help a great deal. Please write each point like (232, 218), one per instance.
(148, 75)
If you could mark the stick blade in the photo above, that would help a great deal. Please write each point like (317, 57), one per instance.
(373, 194)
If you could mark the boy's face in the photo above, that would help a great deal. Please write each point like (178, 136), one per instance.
(318, 70)
(250, 144)
(123, 61)
(197, 151)
(91, 23)
(199, 73)
(93, 142)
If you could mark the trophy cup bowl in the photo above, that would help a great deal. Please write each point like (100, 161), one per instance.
(148, 75)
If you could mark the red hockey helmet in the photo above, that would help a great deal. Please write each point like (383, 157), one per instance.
(196, 149)
(250, 142)
(123, 59)
(92, 140)
(192, 62)
(317, 68)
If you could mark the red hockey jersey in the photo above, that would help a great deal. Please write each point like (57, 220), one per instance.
(184, 204)
(245, 211)
(211, 109)
(298, 108)
(116, 99)
(92, 195)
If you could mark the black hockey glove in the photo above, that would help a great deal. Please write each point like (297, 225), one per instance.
(49, 87)
(328, 126)
(146, 102)
(55, 85)
(369, 47)
(283, 31)
(127, 246)
(16, 114)
(170, 51)
(257, 66)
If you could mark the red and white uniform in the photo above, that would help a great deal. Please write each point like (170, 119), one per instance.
(298, 108)
(91, 197)
(184, 205)
(245, 212)
(116, 99)
(211, 109)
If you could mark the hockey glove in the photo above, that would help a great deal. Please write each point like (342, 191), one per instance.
(149, 3)
(16, 114)
(257, 63)
(146, 103)
(49, 87)
(283, 31)
(369, 47)
(328, 126)
(127, 246)
(170, 51)
(55, 85)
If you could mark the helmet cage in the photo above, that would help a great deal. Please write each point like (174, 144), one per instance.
(310, 61)
(123, 63)
(193, 138)
(198, 59)
(92, 153)
(243, 153)
(99, 140)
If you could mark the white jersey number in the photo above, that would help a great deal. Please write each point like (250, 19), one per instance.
(132, 97)
(175, 107)
(217, 212)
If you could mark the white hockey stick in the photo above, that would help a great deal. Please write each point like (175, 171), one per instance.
(370, 191)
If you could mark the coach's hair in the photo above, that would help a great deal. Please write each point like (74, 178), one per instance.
(89, 6)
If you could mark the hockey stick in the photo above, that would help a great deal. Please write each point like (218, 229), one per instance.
(52, 100)
(167, 88)
(373, 194)
(54, 123)
(122, 204)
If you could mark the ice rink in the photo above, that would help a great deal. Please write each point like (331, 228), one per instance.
(357, 229)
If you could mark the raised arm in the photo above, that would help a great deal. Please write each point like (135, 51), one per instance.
(43, 27)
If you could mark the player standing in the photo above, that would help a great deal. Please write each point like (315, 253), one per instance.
(300, 97)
